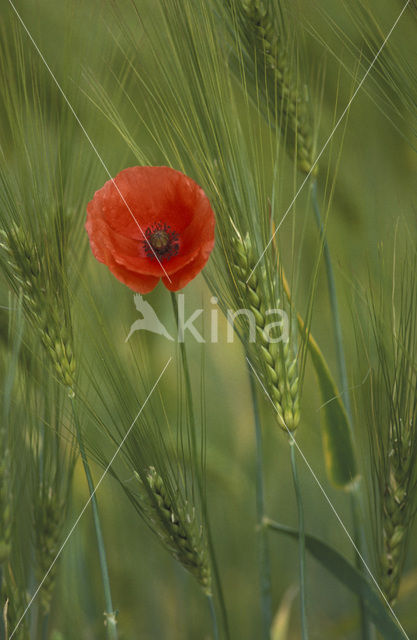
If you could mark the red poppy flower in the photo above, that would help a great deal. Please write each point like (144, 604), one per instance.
(151, 223)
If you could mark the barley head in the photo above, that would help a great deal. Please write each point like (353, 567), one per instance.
(269, 50)
(276, 358)
(396, 513)
(43, 304)
(178, 529)
(392, 422)
(48, 520)
(14, 603)
(5, 499)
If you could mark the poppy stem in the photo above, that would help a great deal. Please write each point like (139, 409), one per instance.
(197, 471)
(110, 614)
(262, 533)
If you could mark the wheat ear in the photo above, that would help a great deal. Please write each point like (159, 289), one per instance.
(396, 515)
(178, 530)
(43, 309)
(5, 501)
(292, 107)
(278, 360)
(49, 517)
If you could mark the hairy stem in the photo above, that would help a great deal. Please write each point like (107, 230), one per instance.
(263, 550)
(301, 541)
(356, 500)
(110, 616)
(215, 569)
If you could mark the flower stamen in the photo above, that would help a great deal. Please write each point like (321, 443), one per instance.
(161, 242)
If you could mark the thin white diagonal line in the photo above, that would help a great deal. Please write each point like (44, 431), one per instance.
(329, 138)
(86, 135)
(294, 442)
(71, 531)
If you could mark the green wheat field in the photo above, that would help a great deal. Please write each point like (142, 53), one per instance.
(249, 474)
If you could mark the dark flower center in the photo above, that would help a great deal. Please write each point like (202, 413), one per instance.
(161, 242)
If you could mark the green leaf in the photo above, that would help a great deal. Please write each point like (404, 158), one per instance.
(351, 578)
(339, 452)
